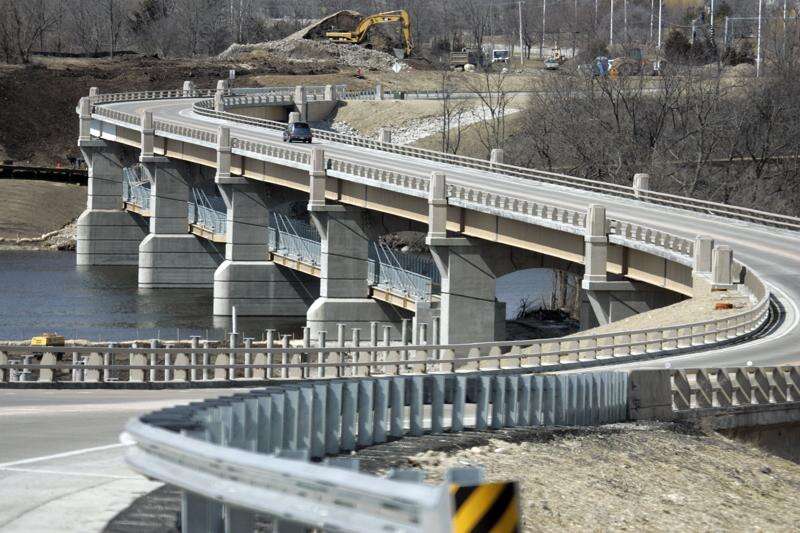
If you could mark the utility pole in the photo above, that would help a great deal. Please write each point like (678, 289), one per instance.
(758, 45)
(521, 60)
(544, 19)
(625, 18)
(660, 10)
(611, 27)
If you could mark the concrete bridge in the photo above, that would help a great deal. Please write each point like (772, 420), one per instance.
(637, 249)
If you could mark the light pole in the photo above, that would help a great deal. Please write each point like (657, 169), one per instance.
(758, 45)
(651, 19)
(660, 10)
(521, 60)
(611, 26)
(544, 19)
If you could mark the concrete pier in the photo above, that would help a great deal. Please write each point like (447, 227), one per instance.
(246, 280)
(608, 300)
(170, 256)
(344, 289)
(344, 243)
(468, 308)
(107, 235)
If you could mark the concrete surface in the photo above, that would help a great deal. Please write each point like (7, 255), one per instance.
(61, 459)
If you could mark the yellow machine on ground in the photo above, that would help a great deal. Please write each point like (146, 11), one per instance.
(48, 339)
(359, 34)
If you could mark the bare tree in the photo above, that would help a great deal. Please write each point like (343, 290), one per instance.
(452, 112)
(489, 88)
(23, 24)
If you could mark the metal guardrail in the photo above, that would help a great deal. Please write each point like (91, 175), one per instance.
(226, 453)
(700, 388)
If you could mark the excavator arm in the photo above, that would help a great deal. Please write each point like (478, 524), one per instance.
(359, 34)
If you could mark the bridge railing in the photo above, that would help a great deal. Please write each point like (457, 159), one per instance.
(135, 188)
(700, 388)
(341, 357)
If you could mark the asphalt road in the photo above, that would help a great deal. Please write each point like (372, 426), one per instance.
(61, 459)
(773, 253)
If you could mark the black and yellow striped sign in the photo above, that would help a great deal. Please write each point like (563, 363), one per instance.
(491, 507)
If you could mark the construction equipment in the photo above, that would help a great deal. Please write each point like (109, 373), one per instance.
(467, 56)
(48, 339)
(359, 34)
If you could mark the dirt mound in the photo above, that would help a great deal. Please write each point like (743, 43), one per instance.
(304, 51)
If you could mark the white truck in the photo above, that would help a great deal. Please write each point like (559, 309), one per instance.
(500, 55)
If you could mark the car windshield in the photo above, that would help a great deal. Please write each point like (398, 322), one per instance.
(301, 127)
(501, 54)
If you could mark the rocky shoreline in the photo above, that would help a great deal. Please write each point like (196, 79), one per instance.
(63, 239)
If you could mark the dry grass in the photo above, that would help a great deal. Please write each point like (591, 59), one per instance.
(650, 478)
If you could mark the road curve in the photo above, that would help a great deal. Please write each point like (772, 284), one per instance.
(773, 253)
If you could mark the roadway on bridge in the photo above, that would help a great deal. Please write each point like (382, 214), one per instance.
(773, 253)
(61, 459)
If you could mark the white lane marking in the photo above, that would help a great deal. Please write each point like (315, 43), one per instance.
(62, 473)
(62, 455)
(94, 408)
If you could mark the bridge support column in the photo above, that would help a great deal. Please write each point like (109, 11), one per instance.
(344, 284)
(468, 308)
(246, 280)
(608, 300)
(170, 256)
(106, 235)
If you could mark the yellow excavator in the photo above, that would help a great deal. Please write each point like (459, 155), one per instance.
(359, 34)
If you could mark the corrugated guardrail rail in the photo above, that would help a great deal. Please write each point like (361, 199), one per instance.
(226, 453)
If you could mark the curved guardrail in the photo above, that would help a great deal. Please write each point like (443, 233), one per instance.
(226, 453)
(340, 357)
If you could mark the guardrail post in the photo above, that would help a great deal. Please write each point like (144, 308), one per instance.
(248, 358)
(641, 182)
(84, 120)
(301, 101)
(703, 247)
(330, 93)
(233, 343)
(318, 178)
(223, 154)
(397, 390)
(596, 246)
(496, 157)
(721, 263)
(188, 89)
(194, 343)
(153, 361)
(147, 136)
(385, 135)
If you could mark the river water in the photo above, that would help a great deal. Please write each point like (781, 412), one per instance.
(43, 291)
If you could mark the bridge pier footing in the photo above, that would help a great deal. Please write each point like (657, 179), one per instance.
(170, 256)
(107, 235)
(246, 280)
(344, 288)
